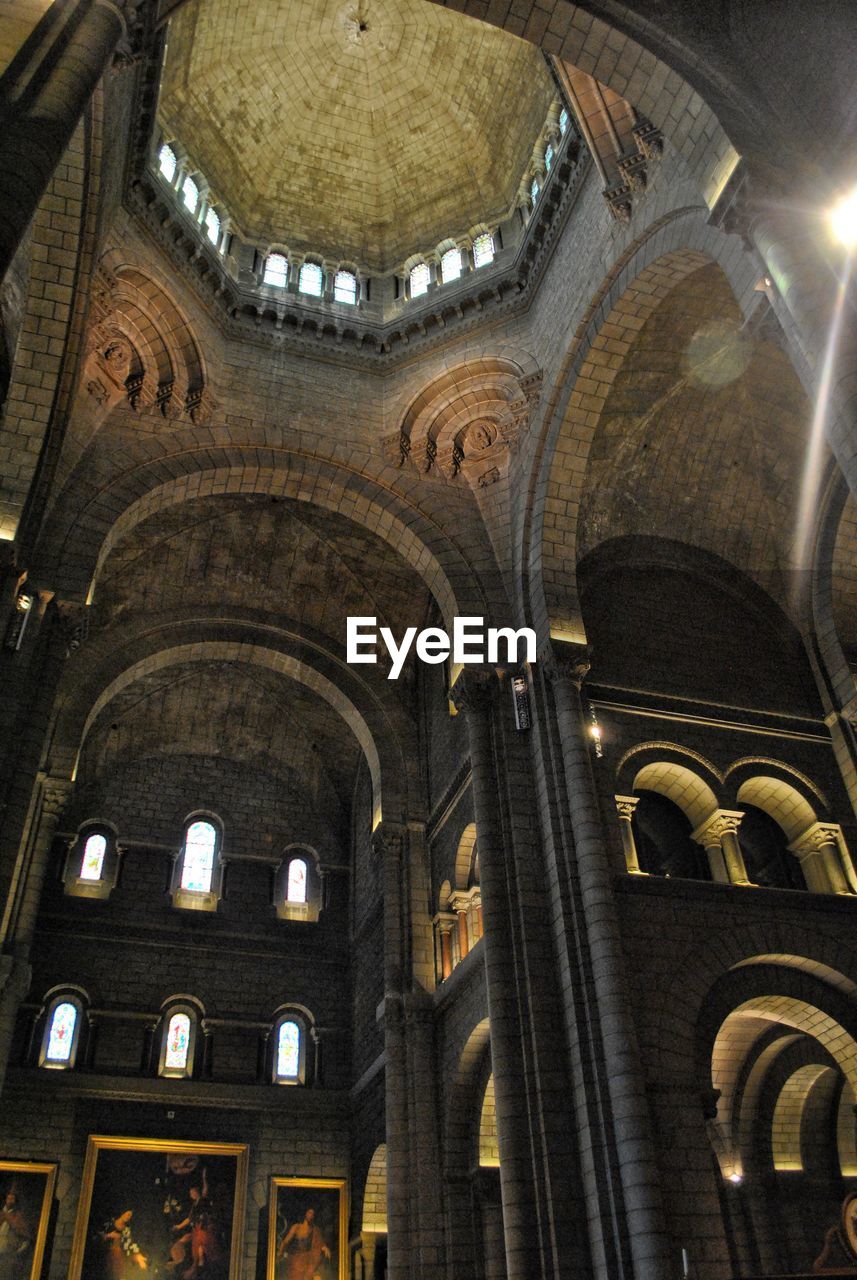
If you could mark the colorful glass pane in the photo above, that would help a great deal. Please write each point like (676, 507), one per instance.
(534, 190)
(450, 265)
(563, 120)
(296, 891)
(190, 194)
(198, 860)
(61, 1035)
(288, 1051)
(212, 226)
(483, 250)
(167, 162)
(276, 270)
(93, 858)
(310, 279)
(419, 279)
(345, 287)
(549, 156)
(178, 1042)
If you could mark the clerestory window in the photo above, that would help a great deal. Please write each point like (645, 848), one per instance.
(483, 250)
(345, 287)
(276, 270)
(167, 162)
(62, 1033)
(450, 265)
(212, 226)
(419, 279)
(311, 279)
(190, 194)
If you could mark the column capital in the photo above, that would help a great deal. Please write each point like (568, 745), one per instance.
(718, 824)
(814, 839)
(55, 794)
(564, 661)
(625, 806)
(445, 921)
(388, 839)
(472, 690)
(460, 900)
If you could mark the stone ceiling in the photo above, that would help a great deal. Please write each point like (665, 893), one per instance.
(362, 129)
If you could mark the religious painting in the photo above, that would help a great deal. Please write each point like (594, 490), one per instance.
(26, 1196)
(307, 1229)
(160, 1207)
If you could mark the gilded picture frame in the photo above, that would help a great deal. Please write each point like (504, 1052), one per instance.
(169, 1204)
(26, 1199)
(307, 1229)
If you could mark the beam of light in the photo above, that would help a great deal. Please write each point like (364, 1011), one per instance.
(843, 220)
(813, 466)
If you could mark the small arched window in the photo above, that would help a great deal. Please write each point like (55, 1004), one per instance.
(311, 279)
(345, 287)
(276, 270)
(289, 1048)
(483, 250)
(167, 162)
(450, 265)
(190, 194)
(179, 1026)
(94, 850)
(563, 121)
(534, 190)
(297, 883)
(419, 279)
(92, 865)
(212, 226)
(178, 1042)
(200, 846)
(549, 154)
(62, 1033)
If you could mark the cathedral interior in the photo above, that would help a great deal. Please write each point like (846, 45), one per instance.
(526, 311)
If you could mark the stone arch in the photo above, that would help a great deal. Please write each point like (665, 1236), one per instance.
(781, 801)
(464, 1098)
(685, 788)
(375, 1193)
(668, 253)
(489, 1151)
(464, 856)
(789, 1113)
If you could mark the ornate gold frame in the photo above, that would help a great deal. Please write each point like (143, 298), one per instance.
(317, 1184)
(157, 1146)
(50, 1171)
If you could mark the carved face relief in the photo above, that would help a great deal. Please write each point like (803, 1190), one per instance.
(480, 435)
(118, 356)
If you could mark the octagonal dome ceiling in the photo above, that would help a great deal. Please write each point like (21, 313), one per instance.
(364, 130)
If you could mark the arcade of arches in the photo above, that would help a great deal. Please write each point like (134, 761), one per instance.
(548, 971)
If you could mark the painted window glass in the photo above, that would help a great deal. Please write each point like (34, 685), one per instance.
(310, 279)
(483, 250)
(276, 270)
(450, 265)
(563, 121)
(198, 861)
(549, 154)
(345, 287)
(534, 190)
(93, 857)
(212, 226)
(167, 162)
(61, 1034)
(419, 279)
(190, 194)
(288, 1051)
(178, 1043)
(296, 891)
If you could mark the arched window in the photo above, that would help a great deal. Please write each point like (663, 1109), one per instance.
(483, 250)
(212, 226)
(662, 834)
(167, 162)
(289, 1047)
(450, 265)
(276, 270)
(534, 190)
(179, 1026)
(419, 279)
(190, 194)
(93, 857)
(345, 287)
(549, 154)
(563, 121)
(62, 1032)
(200, 847)
(297, 884)
(311, 279)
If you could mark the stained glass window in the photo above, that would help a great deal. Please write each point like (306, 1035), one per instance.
(310, 279)
(549, 153)
(198, 860)
(534, 190)
(93, 858)
(419, 279)
(276, 270)
(563, 120)
(178, 1043)
(190, 194)
(212, 226)
(483, 250)
(61, 1034)
(167, 162)
(450, 265)
(288, 1051)
(345, 287)
(296, 891)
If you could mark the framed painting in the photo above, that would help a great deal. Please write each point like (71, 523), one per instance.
(162, 1207)
(26, 1196)
(307, 1229)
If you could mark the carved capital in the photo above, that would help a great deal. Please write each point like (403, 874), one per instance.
(816, 838)
(618, 199)
(709, 1099)
(565, 662)
(388, 840)
(625, 806)
(718, 824)
(472, 691)
(55, 794)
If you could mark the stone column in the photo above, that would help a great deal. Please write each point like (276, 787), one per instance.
(818, 852)
(718, 835)
(625, 806)
(444, 923)
(43, 94)
(626, 1122)
(472, 694)
(460, 903)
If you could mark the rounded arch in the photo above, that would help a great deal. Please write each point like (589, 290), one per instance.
(781, 801)
(464, 856)
(681, 785)
(375, 1193)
